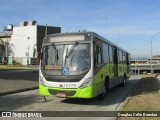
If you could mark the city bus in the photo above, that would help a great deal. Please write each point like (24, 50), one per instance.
(81, 65)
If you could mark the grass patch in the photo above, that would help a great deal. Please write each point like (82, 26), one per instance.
(145, 97)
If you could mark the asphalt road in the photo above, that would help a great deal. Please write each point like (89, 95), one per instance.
(18, 74)
(32, 101)
(17, 79)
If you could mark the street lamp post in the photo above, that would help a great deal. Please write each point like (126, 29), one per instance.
(117, 31)
(151, 49)
(28, 51)
(135, 63)
(117, 22)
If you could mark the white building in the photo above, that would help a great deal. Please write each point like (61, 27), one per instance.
(26, 41)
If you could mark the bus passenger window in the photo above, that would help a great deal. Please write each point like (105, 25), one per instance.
(120, 57)
(98, 55)
(128, 59)
(124, 58)
(110, 54)
(105, 54)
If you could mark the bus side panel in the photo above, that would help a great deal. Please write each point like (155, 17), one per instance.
(99, 79)
(120, 74)
(86, 92)
(111, 75)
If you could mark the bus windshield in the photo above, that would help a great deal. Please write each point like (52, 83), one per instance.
(66, 59)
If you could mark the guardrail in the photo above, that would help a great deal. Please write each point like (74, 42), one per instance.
(145, 67)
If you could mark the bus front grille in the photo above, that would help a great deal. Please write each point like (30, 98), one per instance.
(62, 80)
(68, 93)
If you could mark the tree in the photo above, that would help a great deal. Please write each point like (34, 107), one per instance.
(2, 44)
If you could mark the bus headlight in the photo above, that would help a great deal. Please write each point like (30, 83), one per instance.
(86, 82)
(41, 80)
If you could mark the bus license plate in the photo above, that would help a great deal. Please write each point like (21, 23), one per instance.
(61, 94)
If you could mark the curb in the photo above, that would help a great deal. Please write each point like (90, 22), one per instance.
(18, 67)
(124, 101)
(18, 91)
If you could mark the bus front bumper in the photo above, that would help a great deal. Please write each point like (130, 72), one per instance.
(86, 92)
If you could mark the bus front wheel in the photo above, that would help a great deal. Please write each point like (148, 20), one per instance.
(103, 94)
(105, 90)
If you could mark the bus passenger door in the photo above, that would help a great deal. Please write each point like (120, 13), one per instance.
(128, 64)
(111, 67)
(120, 67)
(115, 62)
(98, 72)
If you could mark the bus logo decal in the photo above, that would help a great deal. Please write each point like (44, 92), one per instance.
(60, 85)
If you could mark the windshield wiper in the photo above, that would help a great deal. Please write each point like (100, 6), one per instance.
(71, 50)
(56, 54)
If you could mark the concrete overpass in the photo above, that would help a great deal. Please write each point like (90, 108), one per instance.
(140, 68)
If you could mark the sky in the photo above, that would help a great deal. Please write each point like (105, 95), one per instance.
(137, 20)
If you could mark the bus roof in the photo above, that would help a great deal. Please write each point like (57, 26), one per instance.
(93, 34)
(109, 42)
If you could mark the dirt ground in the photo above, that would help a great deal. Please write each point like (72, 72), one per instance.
(145, 97)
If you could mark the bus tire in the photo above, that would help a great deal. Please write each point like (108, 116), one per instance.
(103, 94)
(105, 89)
(124, 81)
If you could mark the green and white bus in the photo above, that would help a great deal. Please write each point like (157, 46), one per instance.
(81, 65)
